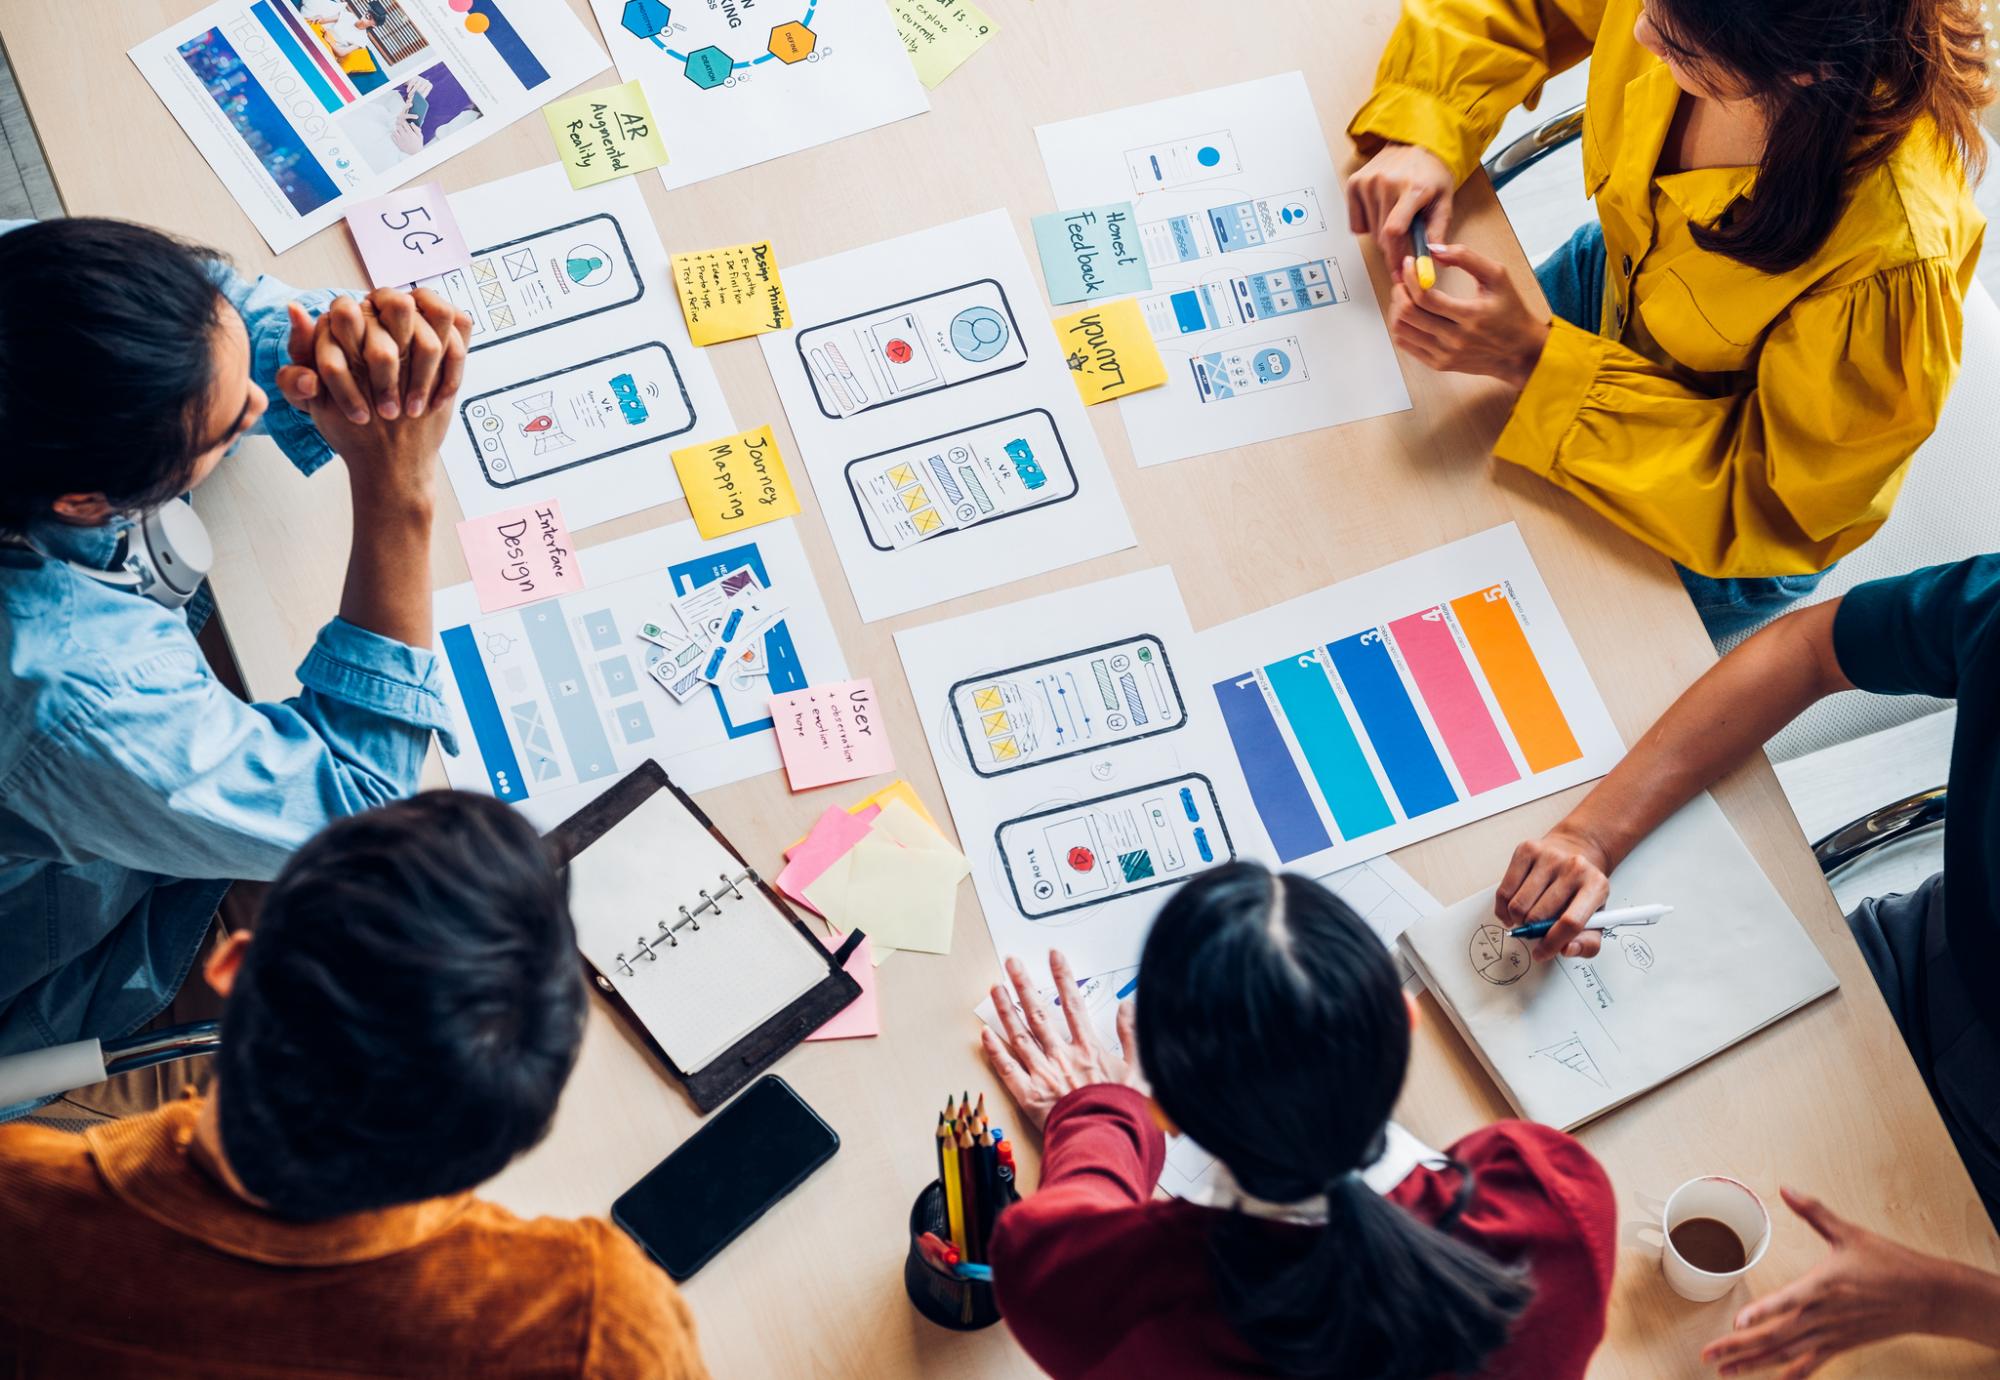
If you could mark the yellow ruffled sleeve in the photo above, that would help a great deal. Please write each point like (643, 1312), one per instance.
(1454, 68)
(1782, 478)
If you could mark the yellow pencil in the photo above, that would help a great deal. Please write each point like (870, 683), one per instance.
(1420, 247)
(954, 1204)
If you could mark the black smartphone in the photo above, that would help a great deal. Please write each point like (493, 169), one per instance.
(727, 1175)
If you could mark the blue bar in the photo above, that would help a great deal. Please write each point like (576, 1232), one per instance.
(1275, 784)
(520, 59)
(575, 711)
(1391, 721)
(308, 71)
(1332, 752)
(503, 773)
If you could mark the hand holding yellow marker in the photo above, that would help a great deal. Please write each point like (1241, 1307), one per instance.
(1420, 248)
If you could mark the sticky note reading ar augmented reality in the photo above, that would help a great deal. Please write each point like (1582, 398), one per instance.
(727, 294)
(1110, 351)
(736, 482)
(605, 134)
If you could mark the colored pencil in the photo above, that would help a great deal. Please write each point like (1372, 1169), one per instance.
(954, 1204)
(969, 1188)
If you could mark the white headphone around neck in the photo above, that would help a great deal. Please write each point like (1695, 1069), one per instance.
(165, 555)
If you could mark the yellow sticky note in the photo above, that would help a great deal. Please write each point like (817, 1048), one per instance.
(727, 294)
(903, 823)
(903, 897)
(735, 483)
(1110, 352)
(940, 34)
(898, 790)
(606, 133)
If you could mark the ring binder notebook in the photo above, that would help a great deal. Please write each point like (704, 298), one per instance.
(687, 943)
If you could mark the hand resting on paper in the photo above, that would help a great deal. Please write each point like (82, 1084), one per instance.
(387, 354)
(1037, 1063)
(1561, 876)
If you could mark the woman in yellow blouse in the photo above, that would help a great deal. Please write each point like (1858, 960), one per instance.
(1763, 326)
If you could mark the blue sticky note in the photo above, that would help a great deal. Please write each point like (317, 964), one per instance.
(1092, 253)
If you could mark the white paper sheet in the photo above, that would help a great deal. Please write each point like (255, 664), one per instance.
(1364, 719)
(552, 701)
(733, 85)
(581, 381)
(936, 417)
(1570, 1039)
(296, 136)
(1085, 769)
(1261, 304)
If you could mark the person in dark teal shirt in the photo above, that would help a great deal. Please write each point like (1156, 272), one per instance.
(1935, 952)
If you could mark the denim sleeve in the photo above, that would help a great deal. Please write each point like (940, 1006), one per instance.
(262, 302)
(170, 773)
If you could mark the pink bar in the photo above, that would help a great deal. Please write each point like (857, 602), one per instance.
(1456, 706)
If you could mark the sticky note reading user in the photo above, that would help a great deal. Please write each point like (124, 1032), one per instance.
(940, 34)
(408, 235)
(1091, 254)
(519, 556)
(735, 483)
(605, 134)
(830, 733)
(1110, 352)
(727, 294)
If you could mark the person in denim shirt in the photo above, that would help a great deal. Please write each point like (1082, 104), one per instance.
(133, 786)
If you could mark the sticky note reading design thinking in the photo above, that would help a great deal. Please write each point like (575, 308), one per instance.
(831, 732)
(519, 556)
(605, 134)
(1110, 351)
(727, 294)
(940, 34)
(1092, 253)
(735, 483)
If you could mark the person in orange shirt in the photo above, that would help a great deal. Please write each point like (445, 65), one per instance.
(400, 1028)
(1760, 325)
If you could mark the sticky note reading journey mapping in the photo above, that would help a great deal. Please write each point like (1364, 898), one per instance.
(1092, 254)
(940, 34)
(606, 133)
(727, 294)
(735, 483)
(1110, 351)
(519, 556)
(830, 733)
(408, 235)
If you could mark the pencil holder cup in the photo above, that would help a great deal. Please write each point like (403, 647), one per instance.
(964, 1305)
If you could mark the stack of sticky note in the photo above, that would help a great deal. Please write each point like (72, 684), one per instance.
(881, 866)
(711, 632)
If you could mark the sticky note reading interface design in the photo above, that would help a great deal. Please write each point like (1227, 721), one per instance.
(727, 294)
(606, 133)
(520, 555)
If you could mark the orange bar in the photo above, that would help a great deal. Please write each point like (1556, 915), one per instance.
(1516, 677)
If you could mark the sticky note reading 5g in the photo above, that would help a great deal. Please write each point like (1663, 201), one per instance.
(408, 235)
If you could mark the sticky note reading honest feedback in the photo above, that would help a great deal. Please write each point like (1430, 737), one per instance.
(519, 556)
(1110, 352)
(830, 733)
(1091, 253)
(940, 34)
(407, 235)
(727, 294)
(735, 483)
(606, 133)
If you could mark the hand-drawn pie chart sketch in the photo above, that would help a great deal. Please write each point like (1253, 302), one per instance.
(1495, 957)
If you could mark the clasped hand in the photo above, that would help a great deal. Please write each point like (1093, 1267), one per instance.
(386, 355)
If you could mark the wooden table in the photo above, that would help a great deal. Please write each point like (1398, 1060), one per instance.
(1827, 1100)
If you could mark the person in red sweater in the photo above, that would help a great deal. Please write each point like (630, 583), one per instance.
(1275, 1034)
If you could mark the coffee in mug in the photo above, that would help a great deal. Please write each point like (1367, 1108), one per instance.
(1709, 1245)
(1716, 1231)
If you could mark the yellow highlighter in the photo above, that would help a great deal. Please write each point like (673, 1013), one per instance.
(1420, 247)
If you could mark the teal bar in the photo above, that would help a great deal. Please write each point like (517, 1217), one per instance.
(1327, 739)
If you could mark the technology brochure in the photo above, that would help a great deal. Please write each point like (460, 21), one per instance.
(1261, 304)
(302, 106)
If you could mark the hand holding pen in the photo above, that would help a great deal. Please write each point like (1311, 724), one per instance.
(1562, 877)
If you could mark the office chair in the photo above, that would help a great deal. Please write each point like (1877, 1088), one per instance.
(43, 1073)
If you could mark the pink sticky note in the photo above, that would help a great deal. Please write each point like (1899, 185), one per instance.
(831, 733)
(407, 235)
(519, 556)
(833, 833)
(861, 1016)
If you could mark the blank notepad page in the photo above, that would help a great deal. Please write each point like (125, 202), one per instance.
(743, 965)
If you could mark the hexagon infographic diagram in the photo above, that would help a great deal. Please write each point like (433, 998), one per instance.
(710, 65)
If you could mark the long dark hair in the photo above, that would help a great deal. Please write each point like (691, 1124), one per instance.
(1842, 83)
(1274, 1033)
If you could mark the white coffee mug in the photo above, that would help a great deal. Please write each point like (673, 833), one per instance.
(1729, 1202)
